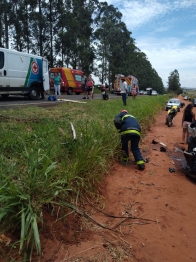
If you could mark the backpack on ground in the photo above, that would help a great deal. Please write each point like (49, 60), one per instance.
(52, 98)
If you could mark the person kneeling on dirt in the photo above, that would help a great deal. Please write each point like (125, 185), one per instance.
(130, 130)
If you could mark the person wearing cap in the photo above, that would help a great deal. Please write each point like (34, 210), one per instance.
(124, 90)
(129, 130)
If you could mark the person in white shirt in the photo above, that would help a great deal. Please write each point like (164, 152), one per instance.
(124, 90)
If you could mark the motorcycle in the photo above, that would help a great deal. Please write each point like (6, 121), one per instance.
(170, 116)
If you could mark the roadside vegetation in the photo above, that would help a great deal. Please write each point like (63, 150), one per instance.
(42, 166)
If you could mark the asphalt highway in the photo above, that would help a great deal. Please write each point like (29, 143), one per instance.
(15, 101)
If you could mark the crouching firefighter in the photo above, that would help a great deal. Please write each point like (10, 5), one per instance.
(130, 130)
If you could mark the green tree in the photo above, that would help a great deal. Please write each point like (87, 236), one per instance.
(112, 40)
(1, 24)
(18, 22)
(174, 85)
(6, 17)
(87, 35)
(74, 38)
(40, 29)
(138, 65)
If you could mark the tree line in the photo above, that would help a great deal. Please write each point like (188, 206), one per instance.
(87, 35)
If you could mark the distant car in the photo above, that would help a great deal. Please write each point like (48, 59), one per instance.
(185, 97)
(194, 101)
(173, 102)
(154, 93)
(141, 92)
(145, 93)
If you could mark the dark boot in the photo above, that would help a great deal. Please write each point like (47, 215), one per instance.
(141, 167)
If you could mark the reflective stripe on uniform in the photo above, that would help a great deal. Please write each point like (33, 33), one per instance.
(127, 116)
(140, 162)
(130, 132)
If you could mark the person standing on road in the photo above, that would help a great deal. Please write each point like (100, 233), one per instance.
(124, 91)
(84, 88)
(90, 86)
(130, 130)
(187, 119)
(134, 91)
(57, 81)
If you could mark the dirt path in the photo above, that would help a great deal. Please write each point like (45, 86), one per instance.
(156, 194)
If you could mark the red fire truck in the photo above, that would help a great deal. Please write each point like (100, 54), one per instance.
(130, 81)
(72, 80)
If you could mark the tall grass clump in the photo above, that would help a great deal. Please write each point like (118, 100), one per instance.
(24, 192)
(41, 164)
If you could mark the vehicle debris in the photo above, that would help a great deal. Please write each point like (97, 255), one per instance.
(163, 149)
(156, 142)
(172, 170)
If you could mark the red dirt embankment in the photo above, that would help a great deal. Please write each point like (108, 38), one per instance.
(168, 199)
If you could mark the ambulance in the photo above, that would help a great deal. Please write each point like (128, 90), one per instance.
(71, 80)
(131, 80)
(23, 74)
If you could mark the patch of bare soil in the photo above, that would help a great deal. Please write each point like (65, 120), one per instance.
(146, 216)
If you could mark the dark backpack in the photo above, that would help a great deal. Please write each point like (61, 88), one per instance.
(52, 98)
(118, 122)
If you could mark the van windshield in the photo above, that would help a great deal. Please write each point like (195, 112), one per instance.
(1, 60)
(174, 101)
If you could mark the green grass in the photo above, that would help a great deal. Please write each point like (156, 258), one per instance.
(42, 166)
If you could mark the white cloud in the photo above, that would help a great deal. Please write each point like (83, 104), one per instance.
(142, 13)
(152, 22)
(184, 4)
(190, 33)
(167, 55)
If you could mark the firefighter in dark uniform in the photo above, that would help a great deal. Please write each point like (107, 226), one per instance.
(130, 130)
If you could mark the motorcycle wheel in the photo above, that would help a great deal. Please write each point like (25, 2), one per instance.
(169, 121)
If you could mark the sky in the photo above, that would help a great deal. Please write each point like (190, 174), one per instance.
(165, 30)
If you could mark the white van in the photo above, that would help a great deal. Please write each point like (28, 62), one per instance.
(23, 74)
